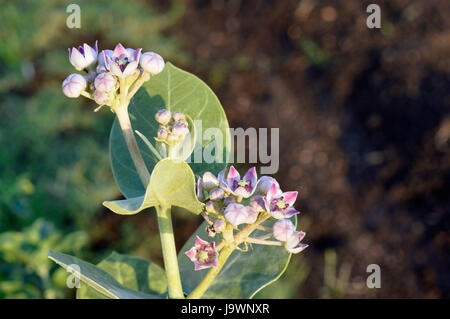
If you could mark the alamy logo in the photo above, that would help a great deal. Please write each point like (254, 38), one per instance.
(74, 19)
(374, 19)
(73, 280)
(374, 279)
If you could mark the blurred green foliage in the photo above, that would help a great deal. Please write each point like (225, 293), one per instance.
(54, 165)
(25, 271)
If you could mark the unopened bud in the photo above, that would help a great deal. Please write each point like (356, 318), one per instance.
(162, 133)
(219, 225)
(73, 85)
(152, 62)
(105, 82)
(209, 180)
(180, 129)
(100, 97)
(162, 116)
(216, 194)
(177, 116)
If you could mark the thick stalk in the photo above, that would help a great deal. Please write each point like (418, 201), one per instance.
(130, 139)
(212, 274)
(169, 252)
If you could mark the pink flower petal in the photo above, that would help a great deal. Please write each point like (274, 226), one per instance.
(233, 174)
(251, 177)
(191, 253)
(290, 197)
(119, 50)
(199, 241)
(272, 192)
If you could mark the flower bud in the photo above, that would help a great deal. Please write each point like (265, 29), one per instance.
(210, 207)
(257, 203)
(265, 183)
(162, 116)
(177, 116)
(229, 200)
(183, 121)
(283, 229)
(152, 62)
(236, 214)
(83, 56)
(199, 188)
(216, 194)
(219, 225)
(100, 97)
(209, 180)
(180, 129)
(162, 133)
(73, 85)
(105, 82)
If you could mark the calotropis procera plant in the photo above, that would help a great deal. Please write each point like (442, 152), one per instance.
(249, 222)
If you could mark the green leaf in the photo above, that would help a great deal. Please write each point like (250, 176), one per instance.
(97, 278)
(244, 273)
(131, 272)
(177, 91)
(172, 183)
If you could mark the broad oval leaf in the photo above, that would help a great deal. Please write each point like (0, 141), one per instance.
(172, 183)
(134, 273)
(97, 278)
(180, 91)
(244, 273)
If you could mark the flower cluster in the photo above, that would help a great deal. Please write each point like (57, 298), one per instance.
(173, 126)
(109, 73)
(232, 200)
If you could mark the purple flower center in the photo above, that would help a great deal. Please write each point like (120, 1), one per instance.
(122, 62)
(278, 204)
(81, 50)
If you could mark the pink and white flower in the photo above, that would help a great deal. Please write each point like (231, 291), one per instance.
(233, 184)
(84, 56)
(122, 62)
(73, 85)
(283, 229)
(293, 244)
(203, 254)
(279, 205)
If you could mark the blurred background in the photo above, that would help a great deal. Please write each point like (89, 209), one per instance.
(364, 135)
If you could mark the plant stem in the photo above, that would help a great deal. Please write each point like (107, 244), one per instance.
(169, 252)
(212, 274)
(130, 139)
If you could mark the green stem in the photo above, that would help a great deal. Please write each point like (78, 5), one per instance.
(169, 252)
(130, 139)
(212, 274)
